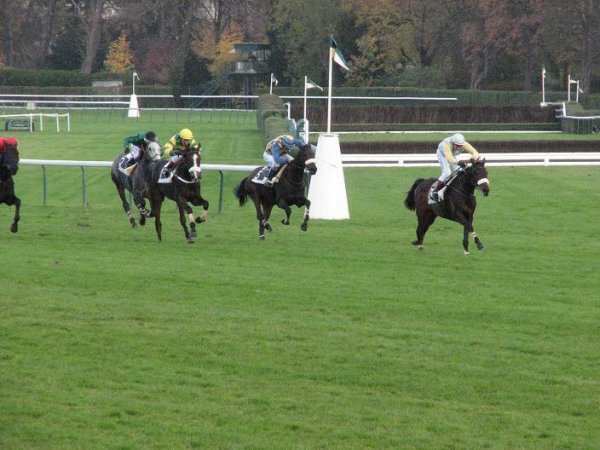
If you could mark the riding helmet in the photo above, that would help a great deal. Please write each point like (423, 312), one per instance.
(150, 137)
(186, 134)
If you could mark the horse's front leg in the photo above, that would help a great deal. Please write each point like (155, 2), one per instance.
(140, 203)
(204, 214)
(288, 211)
(304, 225)
(192, 221)
(469, 231)
(182, 220)
(15, 225)
(155, 205)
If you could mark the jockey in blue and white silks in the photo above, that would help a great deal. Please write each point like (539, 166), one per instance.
(277, 153)
(447, 151)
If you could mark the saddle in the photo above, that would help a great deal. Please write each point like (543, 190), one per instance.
(442, 191)
(262, 176)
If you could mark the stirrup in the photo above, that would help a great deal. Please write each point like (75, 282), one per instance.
(269, 183)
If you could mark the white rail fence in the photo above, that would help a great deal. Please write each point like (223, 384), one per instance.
(358, 160)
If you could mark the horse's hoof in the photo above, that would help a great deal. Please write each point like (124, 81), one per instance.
(143, 220)
(193, 234)
(465, 252)
(415, 242)
(420, 248)
(132, 222)
(262, 237)
(269, 228)
(283, 221)
(304, 227)
(200, 220)
(14, 228)
(480, 247)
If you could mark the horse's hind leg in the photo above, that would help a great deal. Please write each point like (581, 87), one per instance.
(15, 225)
(288, 213)
(424, 222)
(121, 191)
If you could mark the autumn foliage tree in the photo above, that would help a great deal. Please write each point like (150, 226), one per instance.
(119, 58)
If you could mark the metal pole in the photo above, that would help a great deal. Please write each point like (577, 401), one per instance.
(220, 192)
(44, 185)
(83, 185)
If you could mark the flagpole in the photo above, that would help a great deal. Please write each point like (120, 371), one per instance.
(331, 50)
(271, 88)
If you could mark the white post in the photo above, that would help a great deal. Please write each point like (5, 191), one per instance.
(69, 122)
(543, 86)
(327, 189)
(305, 81)
(134, 110)
(289, 110)
(569, 89)
(577, 92)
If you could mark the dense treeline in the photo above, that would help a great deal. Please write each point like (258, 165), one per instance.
(475, 44)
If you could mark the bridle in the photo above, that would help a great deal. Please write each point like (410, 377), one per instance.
(195, 171)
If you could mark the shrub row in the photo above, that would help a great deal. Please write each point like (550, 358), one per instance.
(524, 146)
(432, 114)
(268, 106)
(440, 127)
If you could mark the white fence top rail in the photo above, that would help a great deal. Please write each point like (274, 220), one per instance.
(492, 159)
(378, 160)
(72, 163)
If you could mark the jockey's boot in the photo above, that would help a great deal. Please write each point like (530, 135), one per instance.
(124, 163)
(437, 185)
(166, 174)
(276, 178)
(270, 181)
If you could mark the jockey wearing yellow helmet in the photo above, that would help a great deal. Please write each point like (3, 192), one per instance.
(174, 147)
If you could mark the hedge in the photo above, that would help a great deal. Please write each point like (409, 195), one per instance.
(517, 146)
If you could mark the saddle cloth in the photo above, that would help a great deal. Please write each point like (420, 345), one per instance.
(262, 175)
(442, 191)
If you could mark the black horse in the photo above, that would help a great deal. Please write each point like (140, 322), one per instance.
(290, 190)
(136, 183)
(458, 204)
(9, 164)
(184, 188)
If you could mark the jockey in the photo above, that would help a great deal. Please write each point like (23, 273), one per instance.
(181, 142)
(447, 151)
(133, 149)
(4, 141)
(277, 153)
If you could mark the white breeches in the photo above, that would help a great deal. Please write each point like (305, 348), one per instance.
(447, 168)
(270, 160)
(135, 151)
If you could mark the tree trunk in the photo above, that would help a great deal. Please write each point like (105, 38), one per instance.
(93, 20)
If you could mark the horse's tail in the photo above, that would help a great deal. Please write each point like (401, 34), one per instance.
(409, 201)
(240, 192)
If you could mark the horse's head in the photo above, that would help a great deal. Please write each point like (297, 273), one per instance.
(191, 162)
(478, 174)
(9, 159)
(153, 150)
(306, 157)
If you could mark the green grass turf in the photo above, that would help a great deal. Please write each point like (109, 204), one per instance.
(341, 337)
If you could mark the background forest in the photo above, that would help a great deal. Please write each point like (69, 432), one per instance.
(474, 44)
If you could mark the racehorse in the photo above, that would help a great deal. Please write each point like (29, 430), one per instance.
(290, 190)
(184, 188)
(9, 164)
(136, 182)
(457, 205)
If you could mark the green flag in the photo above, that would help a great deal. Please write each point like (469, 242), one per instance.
(337, 55)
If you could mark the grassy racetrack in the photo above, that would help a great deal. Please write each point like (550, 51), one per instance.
(341, 337)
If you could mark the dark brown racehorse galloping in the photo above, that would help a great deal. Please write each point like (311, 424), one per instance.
(458, 205)
(9, 164)
(184, 188)
(290, 190)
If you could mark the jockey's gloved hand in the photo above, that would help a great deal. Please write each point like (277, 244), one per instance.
(289, 158)
(176, 153)
(462, 163)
